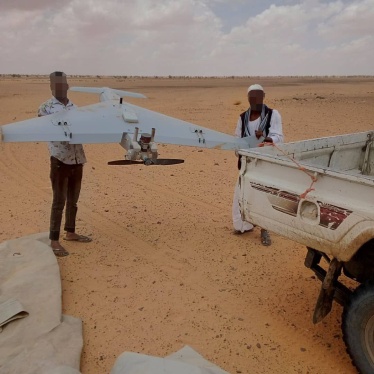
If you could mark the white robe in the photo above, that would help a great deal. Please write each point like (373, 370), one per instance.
(276, 133)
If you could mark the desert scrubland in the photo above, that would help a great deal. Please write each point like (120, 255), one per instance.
(164, 268)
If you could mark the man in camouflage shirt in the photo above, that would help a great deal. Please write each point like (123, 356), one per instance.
(66, 170)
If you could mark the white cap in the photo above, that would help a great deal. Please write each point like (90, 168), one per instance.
(255, 87)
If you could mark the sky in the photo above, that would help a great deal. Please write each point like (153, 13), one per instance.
(187, 37)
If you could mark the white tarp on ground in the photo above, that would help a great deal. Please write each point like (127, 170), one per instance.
(41, 340)
(37, 339)
(185, 361)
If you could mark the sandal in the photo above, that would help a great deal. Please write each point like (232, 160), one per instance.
(79, 238)
(60, 252)
(265, 238)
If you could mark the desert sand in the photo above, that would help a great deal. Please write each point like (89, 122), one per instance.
(164, 268)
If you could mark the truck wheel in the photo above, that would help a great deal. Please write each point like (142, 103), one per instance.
(358, 327)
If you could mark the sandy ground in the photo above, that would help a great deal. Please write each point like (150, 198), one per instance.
(164, 268)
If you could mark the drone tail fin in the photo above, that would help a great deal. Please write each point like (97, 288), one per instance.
(107, 93)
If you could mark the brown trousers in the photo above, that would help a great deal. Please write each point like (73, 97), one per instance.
(66, 185)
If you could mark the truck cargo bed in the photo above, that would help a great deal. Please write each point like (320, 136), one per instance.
(318, 192)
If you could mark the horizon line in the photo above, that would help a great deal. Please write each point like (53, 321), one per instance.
(99, 76)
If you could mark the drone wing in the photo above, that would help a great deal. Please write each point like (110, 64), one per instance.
(106, 122)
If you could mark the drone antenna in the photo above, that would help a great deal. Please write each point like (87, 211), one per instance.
(135, 139)
(153, 134)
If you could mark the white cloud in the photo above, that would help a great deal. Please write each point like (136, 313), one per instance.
(30, 4)
(187, 37)
(354, 20)
(288, 40)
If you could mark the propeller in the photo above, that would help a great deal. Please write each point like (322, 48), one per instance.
(159, 161)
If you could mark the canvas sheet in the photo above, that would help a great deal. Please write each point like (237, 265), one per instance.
(39, 339)
(185, 361)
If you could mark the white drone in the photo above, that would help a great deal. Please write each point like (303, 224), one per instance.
(113, 121)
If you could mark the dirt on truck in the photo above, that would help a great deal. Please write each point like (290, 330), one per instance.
(320, 193)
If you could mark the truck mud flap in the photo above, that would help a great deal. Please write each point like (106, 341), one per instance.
(331, 288)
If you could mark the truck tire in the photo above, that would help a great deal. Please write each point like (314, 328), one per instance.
(358, 327)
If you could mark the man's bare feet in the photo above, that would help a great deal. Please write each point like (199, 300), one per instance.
(58, 249)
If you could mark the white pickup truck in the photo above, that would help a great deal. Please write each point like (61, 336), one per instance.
(320, 193)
